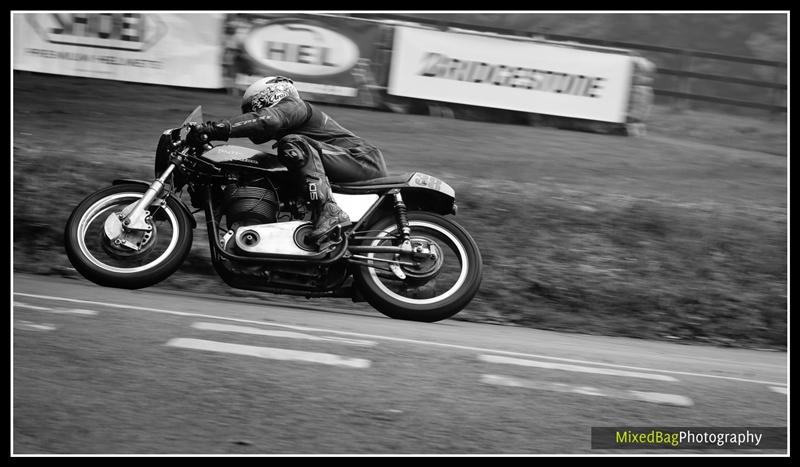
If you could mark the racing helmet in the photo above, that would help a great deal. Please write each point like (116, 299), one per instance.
(267, 92)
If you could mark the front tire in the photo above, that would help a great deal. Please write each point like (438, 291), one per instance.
(433, 292)
(93, 255)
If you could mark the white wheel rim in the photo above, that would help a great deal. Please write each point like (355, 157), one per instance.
(91, 215)
(424, 301)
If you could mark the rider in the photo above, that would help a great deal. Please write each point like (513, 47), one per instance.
(309, 142)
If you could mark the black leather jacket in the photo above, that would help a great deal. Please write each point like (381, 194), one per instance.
(293, 116)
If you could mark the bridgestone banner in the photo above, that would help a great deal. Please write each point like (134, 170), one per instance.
(519, 75)
(171, 49)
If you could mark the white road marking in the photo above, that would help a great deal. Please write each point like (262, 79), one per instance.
(778, 389)
(345, 340)
(74, 311)
(25, 305)
(287, 334)
(269, 352)
(77, 311)
(399, 339)
(653, 397)
(662, 398)
(577, 368)
(29, 326)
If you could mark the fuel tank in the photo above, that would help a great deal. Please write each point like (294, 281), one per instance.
(229, 153)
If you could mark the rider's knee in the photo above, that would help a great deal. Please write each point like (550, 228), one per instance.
(294, 151)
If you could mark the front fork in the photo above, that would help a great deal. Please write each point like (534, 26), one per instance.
(135, 216)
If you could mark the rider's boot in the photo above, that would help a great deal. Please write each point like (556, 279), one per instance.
(302, 158)
(328, 218)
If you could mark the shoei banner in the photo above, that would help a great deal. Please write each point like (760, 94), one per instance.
(330, 59)
(510, 74)
(172, 49)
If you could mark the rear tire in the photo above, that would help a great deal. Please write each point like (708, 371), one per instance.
(385, 295)
(83, 236)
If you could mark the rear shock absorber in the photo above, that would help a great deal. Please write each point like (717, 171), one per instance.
(401, 214)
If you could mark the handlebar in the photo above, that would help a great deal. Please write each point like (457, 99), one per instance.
(205, 146)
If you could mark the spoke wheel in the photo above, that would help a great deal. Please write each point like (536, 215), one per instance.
(126, 258)
(435, 282)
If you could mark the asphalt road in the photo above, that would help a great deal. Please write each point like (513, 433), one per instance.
(109, 371)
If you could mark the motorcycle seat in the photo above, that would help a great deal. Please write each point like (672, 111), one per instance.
(373, 185)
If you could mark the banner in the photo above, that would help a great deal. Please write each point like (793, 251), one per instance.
(334, 60)
(172, 49)
(519, 75)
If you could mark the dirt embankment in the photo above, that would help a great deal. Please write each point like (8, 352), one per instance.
(659, 237)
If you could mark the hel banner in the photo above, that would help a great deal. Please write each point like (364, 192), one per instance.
(330, 59)
(173, 49)
(521, 75)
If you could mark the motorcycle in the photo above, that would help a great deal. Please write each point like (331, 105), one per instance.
(400, 254)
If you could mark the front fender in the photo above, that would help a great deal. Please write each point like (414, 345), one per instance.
(183, 206)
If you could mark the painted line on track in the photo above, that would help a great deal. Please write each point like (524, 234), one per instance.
(575, 368)
(778, 389)
(30, 326)
(31, 307)
(268, 352)
(653, 397)
(77, 311)
(400, 339)
(67, 311)
(286, 334)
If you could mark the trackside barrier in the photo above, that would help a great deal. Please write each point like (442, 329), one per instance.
(157, 48)
(331, 59)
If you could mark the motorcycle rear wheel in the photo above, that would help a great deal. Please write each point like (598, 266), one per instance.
(440, 287)
(98, 259)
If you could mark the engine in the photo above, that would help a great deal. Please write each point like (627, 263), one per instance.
(248, 205)
(251, 220)
(256, 227)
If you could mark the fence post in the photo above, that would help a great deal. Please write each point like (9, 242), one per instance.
(685, 86)
(776, 93)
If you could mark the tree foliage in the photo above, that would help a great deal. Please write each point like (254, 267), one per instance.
(757, 35)
(763, 35)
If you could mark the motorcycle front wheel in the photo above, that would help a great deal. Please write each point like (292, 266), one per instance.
(138, 258)
(443, 280)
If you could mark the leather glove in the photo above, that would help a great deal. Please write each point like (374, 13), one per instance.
(201, 133)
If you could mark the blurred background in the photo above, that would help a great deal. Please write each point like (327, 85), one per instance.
(623, 174)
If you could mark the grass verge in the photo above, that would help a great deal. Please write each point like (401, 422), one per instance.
(668, 238)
